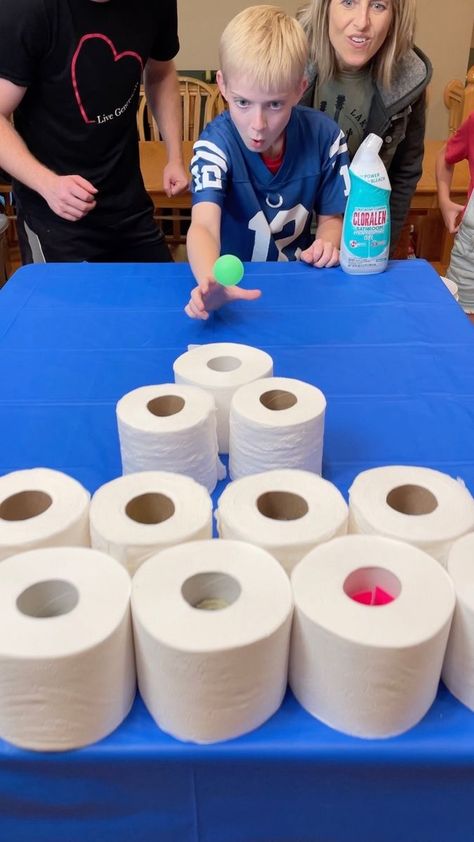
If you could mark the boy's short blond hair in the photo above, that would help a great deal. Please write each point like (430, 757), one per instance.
(266, 46)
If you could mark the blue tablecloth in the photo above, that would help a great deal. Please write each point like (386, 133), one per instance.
(394, 356)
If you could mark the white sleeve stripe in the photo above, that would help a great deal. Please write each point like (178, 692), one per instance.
(337, 147)
(207, 144)
(202, 155)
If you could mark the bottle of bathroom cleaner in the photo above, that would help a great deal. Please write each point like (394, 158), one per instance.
(366, 228)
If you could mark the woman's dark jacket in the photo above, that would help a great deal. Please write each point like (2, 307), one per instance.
(397, 115)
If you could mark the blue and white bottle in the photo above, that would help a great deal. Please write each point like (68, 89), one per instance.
(365, 241)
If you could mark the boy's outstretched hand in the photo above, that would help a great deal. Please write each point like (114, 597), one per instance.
(210, 295)
(321, 254)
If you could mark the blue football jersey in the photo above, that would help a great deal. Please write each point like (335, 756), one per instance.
(265, 216)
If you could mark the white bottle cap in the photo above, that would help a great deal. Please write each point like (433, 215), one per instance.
(369, 148)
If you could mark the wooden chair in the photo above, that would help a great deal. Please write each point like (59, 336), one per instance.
(219, 104)
(200, 103)
(5, 192)
(143, 124)
(459, 100)
(5, 266)
(10, 240)
(8, 208)
(434, 241)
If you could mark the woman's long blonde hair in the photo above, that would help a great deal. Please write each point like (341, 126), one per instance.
(314, 18)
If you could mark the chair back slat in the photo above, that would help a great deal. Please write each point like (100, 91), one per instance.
(459, 100)
(196, 97)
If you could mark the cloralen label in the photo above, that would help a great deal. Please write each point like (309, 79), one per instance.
(368, 233)
(371, 218)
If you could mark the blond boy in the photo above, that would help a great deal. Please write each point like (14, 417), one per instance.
(262, 168)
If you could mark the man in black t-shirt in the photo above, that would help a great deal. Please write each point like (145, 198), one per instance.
(70, 71)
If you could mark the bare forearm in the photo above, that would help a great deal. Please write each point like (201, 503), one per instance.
(203, 250)
(450, 211)
(17, 160)
(70, 196)
(162, 93)
(444, 176)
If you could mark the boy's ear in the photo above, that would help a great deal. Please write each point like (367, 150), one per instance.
(302, 87)
(220, 83)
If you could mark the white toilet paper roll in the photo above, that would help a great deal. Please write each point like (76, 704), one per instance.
(286, 512)
(221, 368)
(67, 673)
(134, 516)
(276, 422)
(424, 507)
(211, 623)
(452, 286)
(170, 427)
(458, 668)
(42, 508)
(369, 670)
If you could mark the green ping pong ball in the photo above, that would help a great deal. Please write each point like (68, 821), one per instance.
(228, 270)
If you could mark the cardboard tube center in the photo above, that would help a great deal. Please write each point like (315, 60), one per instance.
(210, 591)
(278, 399)
(166, 405)
(373, 586)
(51, 598)
(24, 505)
(412, 500)
(224, 363)
(152, 507)
(282, 505)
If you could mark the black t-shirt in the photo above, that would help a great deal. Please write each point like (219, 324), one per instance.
(81, 62)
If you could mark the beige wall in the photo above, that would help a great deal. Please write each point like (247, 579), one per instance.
(444, 33)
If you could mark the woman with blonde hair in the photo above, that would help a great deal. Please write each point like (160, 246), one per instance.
(366, 73)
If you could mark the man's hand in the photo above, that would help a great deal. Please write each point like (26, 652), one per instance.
(175, 178)
(210, 295)
(69, 196)
(321, 254)
(451, 213)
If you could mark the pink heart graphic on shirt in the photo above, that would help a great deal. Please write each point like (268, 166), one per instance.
(117, 56)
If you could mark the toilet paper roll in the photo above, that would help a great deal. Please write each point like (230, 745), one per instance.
(286, 512)
(221, 368)
(424, 507)
(134, 516)
(369, 670)
(211, 623)
(42, 508)
(452, 286)
(67, 673)
(276, 422)
(458, 668)
(172, 428)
